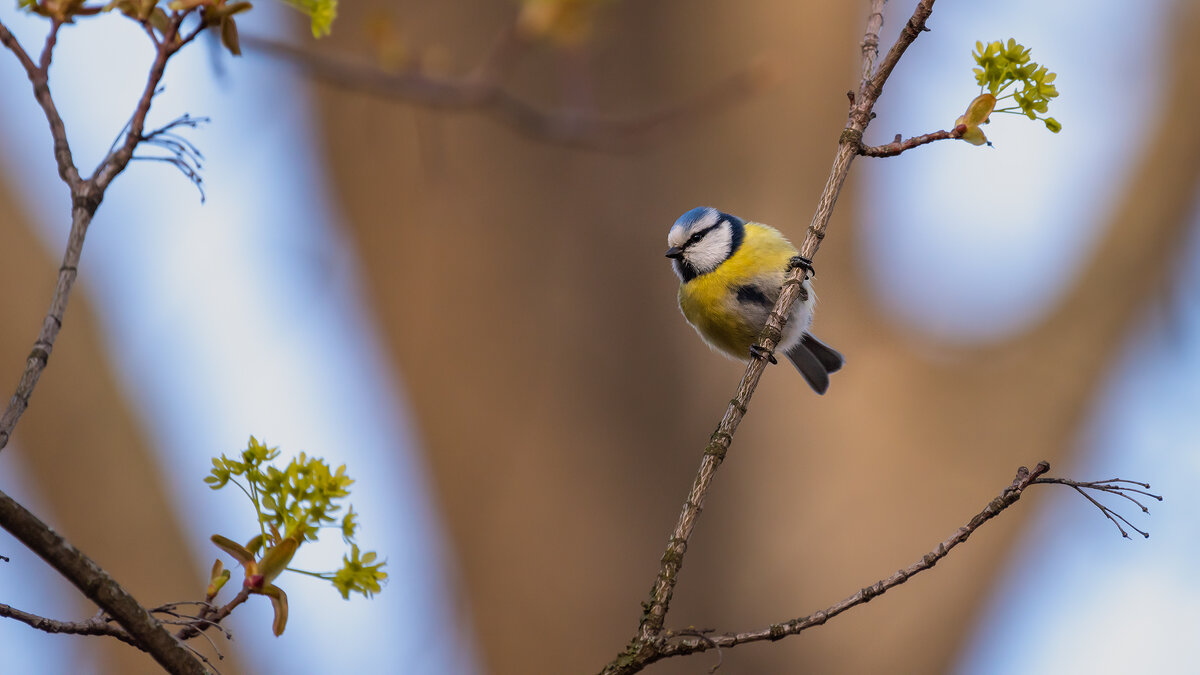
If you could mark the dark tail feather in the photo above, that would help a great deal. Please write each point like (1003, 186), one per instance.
(828, 356)
(810, 367)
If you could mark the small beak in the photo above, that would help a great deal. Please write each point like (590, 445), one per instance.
(675, 252)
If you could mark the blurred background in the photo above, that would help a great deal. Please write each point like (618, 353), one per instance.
(480, 324)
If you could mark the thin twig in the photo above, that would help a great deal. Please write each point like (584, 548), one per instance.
(93, 626)
(1115, 486)
(208, 618)
(213, 670)
(870, 42)
(39, 356)
(703, 636)
(80, 218)
(86, 196)
(1009, 496)
(898, 146)
(116, 161)
(48, 47)
(172, 606)
(481, 93)
(680, 643)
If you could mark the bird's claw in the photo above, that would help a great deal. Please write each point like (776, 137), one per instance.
(761, 353)
(803, 263)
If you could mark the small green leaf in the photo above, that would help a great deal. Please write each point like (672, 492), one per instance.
(216, 580)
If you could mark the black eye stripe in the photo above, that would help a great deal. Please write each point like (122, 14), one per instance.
(700, 235)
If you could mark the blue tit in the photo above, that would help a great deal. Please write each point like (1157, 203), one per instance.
(731, 272)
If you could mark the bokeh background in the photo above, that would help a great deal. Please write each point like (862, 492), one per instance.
(482, 326)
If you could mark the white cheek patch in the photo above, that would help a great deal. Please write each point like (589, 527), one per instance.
(716, 246)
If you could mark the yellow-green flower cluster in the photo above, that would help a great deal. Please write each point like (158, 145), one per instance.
(358, 574)
(1003, 65)
(292, 505)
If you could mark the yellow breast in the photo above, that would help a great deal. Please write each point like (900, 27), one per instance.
(710, 301)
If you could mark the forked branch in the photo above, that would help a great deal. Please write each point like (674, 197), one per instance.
(96, 625)
(1113, 486)
(86, 194)
(678, 643)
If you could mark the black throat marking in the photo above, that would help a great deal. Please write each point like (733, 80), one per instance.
(737, 228)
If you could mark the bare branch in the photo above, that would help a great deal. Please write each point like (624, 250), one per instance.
(39, 356)
(98, 586)
(1115, 486)
(116, 161)
(209, 617)
(898, 146)
(483, 94)
(870, 42)
(690, 641)
(871, 90)
(93, 626)
(714, 453)
(86, 196)
(679, 643)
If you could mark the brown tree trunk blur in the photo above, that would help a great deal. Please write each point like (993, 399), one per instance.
(564, 403)
(85, 454)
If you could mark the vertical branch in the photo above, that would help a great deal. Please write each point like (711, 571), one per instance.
(644, 646)
(39, 356)
(870, 43)
(86, 196)
(84, 203)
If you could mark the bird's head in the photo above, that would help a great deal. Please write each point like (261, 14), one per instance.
(701, 240)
